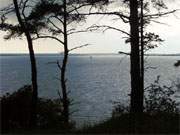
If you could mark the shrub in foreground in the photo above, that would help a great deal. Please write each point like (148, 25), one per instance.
(159, 99)
(161, 114)
(16, 108)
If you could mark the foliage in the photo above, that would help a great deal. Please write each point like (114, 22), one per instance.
(159, 99)
(119, 109)
(41, 14)
(156, 124)
(16, 111)
(177, 64)
(161, 113)
(151, 40)
(16, 108)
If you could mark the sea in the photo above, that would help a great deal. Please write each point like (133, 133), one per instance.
(94, 81)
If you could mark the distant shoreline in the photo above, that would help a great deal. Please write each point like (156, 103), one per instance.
(162, 54)
(74, 54)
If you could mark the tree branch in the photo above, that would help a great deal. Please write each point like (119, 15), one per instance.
(23, 8)
(161, 14)
(120, 52)
(59, 30)
(95, 27)
(51, 37)
(75, 32)
(59, 66)
(76, 8)
(81, 46)
(122, 16)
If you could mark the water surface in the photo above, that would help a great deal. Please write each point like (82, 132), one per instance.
(94, 81)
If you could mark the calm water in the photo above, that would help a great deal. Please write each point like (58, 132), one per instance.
(94, 81)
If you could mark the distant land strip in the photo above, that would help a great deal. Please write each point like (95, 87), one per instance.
(75, 54)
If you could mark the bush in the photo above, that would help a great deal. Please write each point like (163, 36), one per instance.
(16, 108)
(161, 114)
(119, 109)
(159, 99)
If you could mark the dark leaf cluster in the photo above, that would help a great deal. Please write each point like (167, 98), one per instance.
(16, 111)
(13, 30)
(159, 99)
(43, 8)
(151, 40)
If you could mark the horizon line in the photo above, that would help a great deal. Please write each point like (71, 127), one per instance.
(44, 53)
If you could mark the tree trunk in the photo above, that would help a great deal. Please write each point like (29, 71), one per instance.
(142, 55)
(33, 65)
(63, 69)
(136, 101)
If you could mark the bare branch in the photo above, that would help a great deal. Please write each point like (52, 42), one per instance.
(160, 22)
(59, 19)
(121, 15)
(149, 67)
(23, 8)
(81, 46)
(59, 66)
(70, 30)
(79, 7)
(75, 32)
(95, 27)
(59, 30)
(120, 52)
(161, 14)
(51, 37)
(9, 8)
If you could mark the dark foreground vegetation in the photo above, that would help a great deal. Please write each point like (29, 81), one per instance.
(161, 123)
(177, 63)
(161, 115)
(16, 112)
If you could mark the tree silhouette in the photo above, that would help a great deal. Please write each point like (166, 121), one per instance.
(51, 18)
(18, 30)
(57, 18)
(138, 14)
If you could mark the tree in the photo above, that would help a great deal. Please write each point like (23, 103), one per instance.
(136, 103)
(23, 28)
(57, 16)
(140, 40)
(142, 49)
(52, 17)
(144, 43)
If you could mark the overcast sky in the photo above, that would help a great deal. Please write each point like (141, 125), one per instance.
(108, 42)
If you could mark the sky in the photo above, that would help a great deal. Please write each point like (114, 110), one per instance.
(107, 42)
